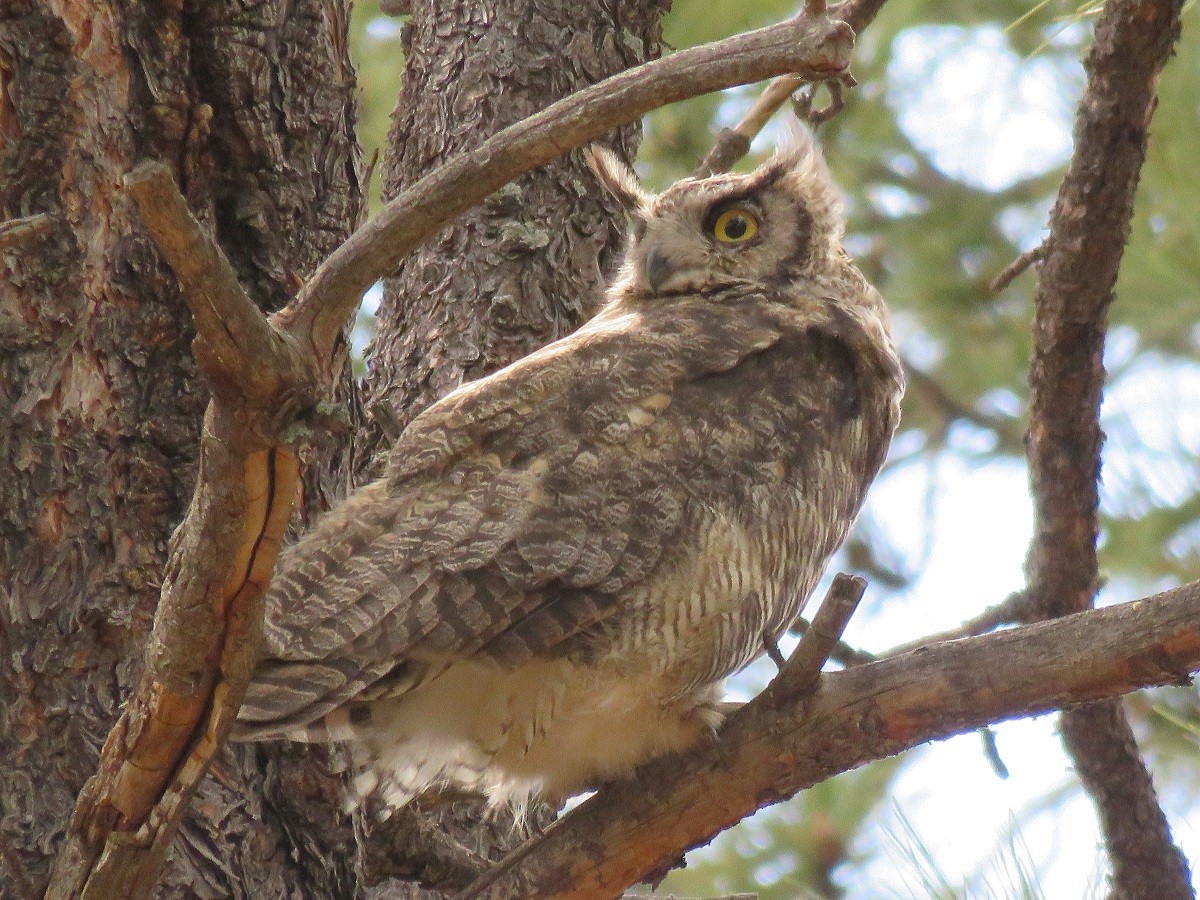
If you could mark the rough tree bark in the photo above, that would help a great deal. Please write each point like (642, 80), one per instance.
(511, 275)
(255, 364)
(252, 105)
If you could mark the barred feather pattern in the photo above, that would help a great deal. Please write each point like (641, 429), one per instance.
(564, 560)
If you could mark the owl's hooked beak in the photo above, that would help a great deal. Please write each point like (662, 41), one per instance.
(658, 270)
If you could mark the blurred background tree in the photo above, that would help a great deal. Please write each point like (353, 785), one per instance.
(950, 151)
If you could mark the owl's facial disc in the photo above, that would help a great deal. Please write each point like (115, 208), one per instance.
(658, 270)
(699, 247)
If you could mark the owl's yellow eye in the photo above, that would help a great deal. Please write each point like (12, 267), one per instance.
(735, 226)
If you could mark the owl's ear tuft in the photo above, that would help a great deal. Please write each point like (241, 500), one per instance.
(797, 158)
(799, 166)
(618, 179)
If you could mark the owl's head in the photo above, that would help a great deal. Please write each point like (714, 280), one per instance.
(781, 221)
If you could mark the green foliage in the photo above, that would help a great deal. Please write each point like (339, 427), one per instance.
(377, 54)
(799, 850)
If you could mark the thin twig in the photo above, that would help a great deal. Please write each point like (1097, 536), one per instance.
(991, 752)
(803, 103)
(933, 391)
(734, 143)
(800, 673)
(1011, 610)
(1009, 273)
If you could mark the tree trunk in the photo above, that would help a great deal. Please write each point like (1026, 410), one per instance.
(253, 107)
(523, 269)
(528, 266)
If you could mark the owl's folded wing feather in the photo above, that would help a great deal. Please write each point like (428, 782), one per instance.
(517, 510)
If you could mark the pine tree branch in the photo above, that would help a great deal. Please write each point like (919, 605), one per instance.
(235, 346)
(207, 626)
(1088, 231)
(777, 745)
(734, 143)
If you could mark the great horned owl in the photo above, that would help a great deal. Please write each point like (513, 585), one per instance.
(565, 559)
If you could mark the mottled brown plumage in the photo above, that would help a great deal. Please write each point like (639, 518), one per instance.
(565, 559)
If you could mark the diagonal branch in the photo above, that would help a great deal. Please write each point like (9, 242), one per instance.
(734, 143)
(206, 630)
(802, 670)
(813, 48)
(1088, 230)
(775, 746)
(234, 344)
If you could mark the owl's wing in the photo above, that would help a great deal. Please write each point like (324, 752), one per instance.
(517, 510)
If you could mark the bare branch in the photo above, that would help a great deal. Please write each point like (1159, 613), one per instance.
(1017, 267)
(932, 391)
(234, 344)
(207, 627)
(842, 652)
(1088, 231)
(770, 749)
(1012, 609)
(812, 48)
(804, 102)
(734, 143)
(799, 675)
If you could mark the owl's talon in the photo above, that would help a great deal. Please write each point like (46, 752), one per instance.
(719, 746)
